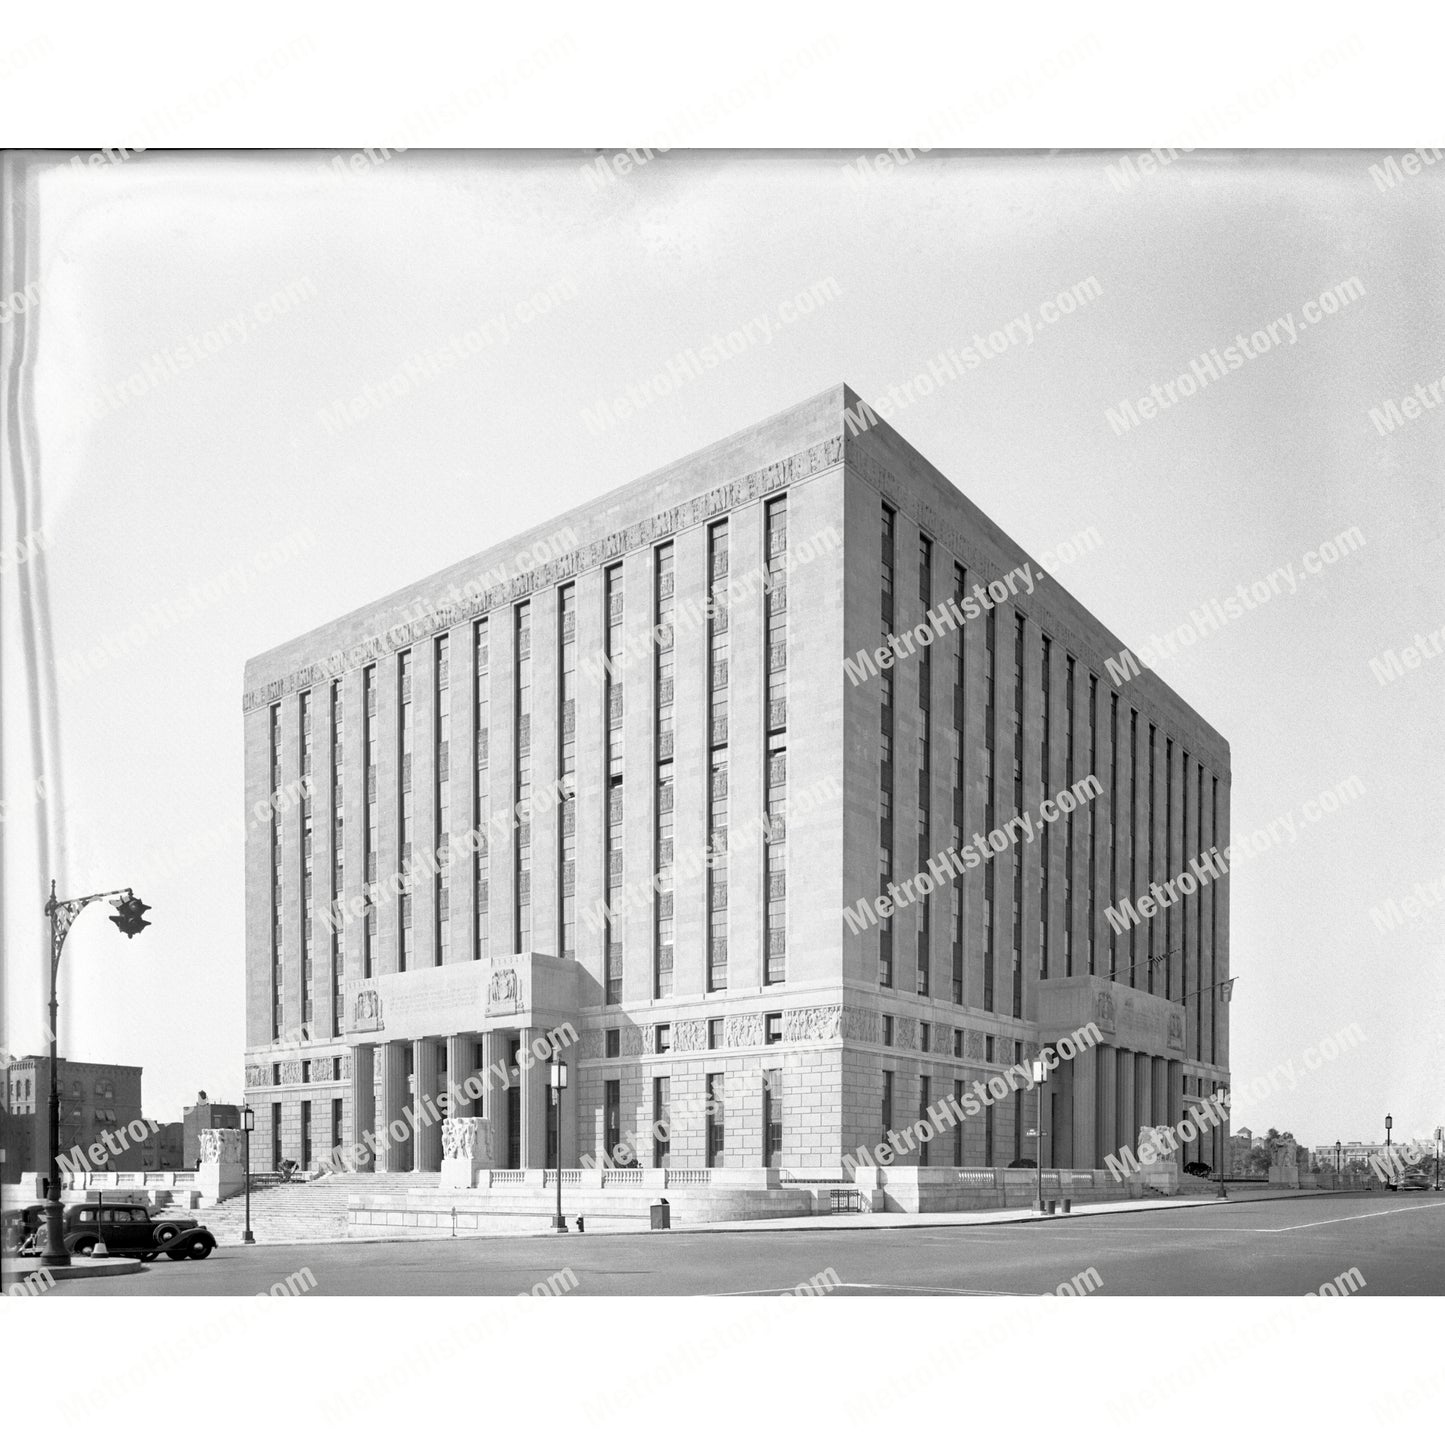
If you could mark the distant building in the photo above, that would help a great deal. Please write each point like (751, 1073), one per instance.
(1241, 1146)
(95, 1100)
(1352, 1153)
(203, 1114)
(165, 1148)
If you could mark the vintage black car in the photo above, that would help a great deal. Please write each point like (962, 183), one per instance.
(127, 1229)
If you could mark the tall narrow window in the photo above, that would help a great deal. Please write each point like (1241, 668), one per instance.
(1151, 862)
(1117, 806)
(664, 656)
(925, 766)
(717, 820)
(925, 1088)
(885, 751)
(567, 753)
(661, 1122)
(885, 1120)
(441, 801)
(1069, 781)
(990, 741)
(716, 1122)
(338, 864)
(1091, 901)
(405, 932)
(773, 1119)
(960, 587)
(775, 968)
(1046, 847)
(1126, 843)
(277, 877)
(308, 839)
(776, 614)
(612, 932)
(522, 834)
(1017, 871)
(368, 723)
(775, 879)
(481, 788)
(1170, 856)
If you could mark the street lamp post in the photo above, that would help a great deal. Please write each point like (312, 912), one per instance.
(129, 918)
(1389, 1124)
(1439, 1139)
(559, 1083)
(1040, 1073)
(248, 1122)
(1339, 1172)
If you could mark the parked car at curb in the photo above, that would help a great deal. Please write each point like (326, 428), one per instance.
(127, 1229)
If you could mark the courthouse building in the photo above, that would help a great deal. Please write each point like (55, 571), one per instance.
(643, 798)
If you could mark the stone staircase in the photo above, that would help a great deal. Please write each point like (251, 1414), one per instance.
(296, 1212)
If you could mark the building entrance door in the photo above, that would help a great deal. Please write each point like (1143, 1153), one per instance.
(514, 1120)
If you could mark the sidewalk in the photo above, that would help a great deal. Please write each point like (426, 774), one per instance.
(979, 1217)
(821, 1221)
(16, 1268)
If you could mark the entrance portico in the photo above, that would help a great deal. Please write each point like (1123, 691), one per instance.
(467, 1040)
(1132, 1079)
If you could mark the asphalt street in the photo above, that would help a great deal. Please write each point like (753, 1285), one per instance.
(1395, 1243)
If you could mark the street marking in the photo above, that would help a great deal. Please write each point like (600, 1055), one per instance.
(890, 1288)
(1347, 1218)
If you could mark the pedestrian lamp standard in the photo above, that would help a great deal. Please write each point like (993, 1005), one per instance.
(248, 1122)
(558, 1073)
(1040, 1074)
(1389, 1124)
(129, 918)
(1339, 1154)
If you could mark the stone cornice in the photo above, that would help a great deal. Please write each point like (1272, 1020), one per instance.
(790, 470)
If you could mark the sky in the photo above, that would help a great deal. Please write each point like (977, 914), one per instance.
(217, 488)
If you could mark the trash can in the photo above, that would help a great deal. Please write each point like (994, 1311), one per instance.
(661, 1215)
(1068, 1205)
(1052, 1206)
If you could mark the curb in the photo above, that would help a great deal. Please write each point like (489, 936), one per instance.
(10, 1274)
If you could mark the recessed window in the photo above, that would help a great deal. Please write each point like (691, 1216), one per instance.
(958, 1043)
(888, 1031)
(612, 1043)
(988, 1048)
(664, 1038)
(923, 1037)
(714, 1033)
(772, 1028)
(305, 1071)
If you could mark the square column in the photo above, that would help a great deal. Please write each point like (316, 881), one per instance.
(1126, 1134)
(1164, 1112)
(390, 1154)
(1059, 1118)
(490, 1106)
(1174, 1093)
(1085, 1081)
(459, 1069)
(533, 1083)
(1143, 1095)
(1106, 1115)
(428, 1142)
(363, 1105)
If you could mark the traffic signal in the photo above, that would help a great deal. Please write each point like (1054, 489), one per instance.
(129, 916)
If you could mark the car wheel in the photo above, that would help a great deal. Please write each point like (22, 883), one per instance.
(176, 1253)
(85, 1246)
(166, 1232)
(146, 1258)
(200, 1248)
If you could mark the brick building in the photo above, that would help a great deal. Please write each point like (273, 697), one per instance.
(677, 676)
(94, 1099)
